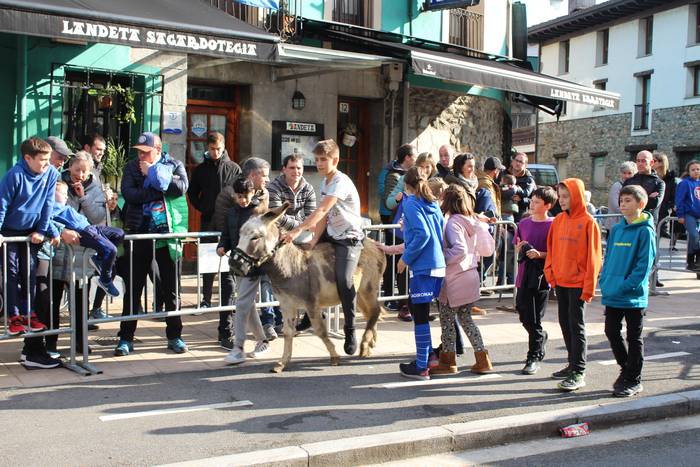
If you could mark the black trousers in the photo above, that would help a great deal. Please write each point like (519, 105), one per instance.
(573, 326)
(347, 255)
(165, 277)
(531, 305)
(630, 358)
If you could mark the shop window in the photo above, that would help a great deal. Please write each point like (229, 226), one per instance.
(599, 178)
(118, 106)
(602, 43)
(564, 49)
(646, 36)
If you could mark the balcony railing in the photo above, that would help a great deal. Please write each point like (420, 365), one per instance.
(641, 117)
(466, 28)
(356, 12)
(284, 21)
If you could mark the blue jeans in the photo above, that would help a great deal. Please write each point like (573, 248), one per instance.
(269, 314)
(104, 240)
(691, 226)
(17, 286)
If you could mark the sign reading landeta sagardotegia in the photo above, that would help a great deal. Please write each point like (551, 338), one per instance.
(40, 24)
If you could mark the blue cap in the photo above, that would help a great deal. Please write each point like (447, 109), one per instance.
(146, 141)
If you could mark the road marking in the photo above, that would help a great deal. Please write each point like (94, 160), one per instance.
(194, 408)
(650, 357)
(430, 382)
(673, 318)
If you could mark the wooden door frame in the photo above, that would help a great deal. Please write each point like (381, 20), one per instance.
(363, 149)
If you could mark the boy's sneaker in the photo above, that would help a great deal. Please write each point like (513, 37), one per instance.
(619, 382)
(95, 263)
(531, 367)
(40, 360)
(628, 390)
(261, 347)
(16, 326)
(410, 370)
(235, 356)
(562, 374)
(392, 306)
(33, 324)
(573, 382)
(405, 314)
(123, 348)
(108, 287)
(270, 333)
(98, 313)
(177, 345)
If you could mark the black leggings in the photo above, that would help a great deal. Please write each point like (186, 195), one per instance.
(420, 312)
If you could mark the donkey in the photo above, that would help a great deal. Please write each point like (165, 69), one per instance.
(306, 279)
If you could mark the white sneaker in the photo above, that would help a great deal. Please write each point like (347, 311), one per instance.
(235, 356)
(261, 347)
(270, 332)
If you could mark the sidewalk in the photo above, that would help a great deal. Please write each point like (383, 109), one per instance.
(395, 338)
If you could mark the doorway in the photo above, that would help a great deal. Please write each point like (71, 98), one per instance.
(354, 136)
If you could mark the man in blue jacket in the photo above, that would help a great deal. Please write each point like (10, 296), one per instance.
(624, 283)
(147, 181)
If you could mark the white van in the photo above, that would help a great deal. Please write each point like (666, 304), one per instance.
(544, 174)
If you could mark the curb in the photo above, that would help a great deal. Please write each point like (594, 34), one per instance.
(406, 444)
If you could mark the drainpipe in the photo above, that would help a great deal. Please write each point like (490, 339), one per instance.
(404, 117)
(410, 17)
(21, 88)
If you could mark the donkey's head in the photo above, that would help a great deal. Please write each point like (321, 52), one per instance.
(260, 235)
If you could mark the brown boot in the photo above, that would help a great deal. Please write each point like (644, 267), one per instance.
(483, 362)
(447, 365)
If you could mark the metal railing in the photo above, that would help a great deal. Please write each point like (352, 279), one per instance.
(284, 21)
(356, 12)
(666, 260)
(641, 117)
(466, 29)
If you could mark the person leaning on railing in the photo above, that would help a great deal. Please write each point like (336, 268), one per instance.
(153, 187)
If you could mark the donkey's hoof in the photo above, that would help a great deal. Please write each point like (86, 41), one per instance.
(335, 361)
(365, 352)
(277, 368)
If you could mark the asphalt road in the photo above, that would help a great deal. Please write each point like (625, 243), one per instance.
(311, 401)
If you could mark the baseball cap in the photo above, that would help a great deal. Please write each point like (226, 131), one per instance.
(492, 163)
(146, 141)
(60, 146)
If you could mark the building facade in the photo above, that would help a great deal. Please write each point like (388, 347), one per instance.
(649, 53)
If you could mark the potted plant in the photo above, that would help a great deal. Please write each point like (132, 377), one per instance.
(349, 135)
(105, 99)
(114, 161)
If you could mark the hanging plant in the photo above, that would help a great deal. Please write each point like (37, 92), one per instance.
(105, 99)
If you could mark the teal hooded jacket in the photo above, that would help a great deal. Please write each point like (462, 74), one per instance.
(629, 257)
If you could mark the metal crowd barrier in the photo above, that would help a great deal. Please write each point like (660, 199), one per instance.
(52, 328)
(666, 260)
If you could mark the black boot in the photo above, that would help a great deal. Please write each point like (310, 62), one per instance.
(691, 262)
(350, 346)
(696, 262)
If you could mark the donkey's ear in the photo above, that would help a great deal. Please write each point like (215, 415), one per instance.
(274, 214)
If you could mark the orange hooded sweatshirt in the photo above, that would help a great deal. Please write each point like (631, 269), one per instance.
(574, 250)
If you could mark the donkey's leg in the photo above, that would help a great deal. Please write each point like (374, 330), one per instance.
(371, 310)
(289, 329)
(322, 333)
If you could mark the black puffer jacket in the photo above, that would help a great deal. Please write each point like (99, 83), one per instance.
(207, 180)
(651, 184)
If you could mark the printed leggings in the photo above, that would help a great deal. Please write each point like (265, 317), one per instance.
(449, 336)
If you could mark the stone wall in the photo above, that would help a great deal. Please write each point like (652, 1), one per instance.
(671, 130)
(469, 123)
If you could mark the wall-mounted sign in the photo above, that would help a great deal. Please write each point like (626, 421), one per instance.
(56, 26)
(344, 108)
(199, 126)
(305, 127)
(172, 123)
(295, 138)
(444, 4)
